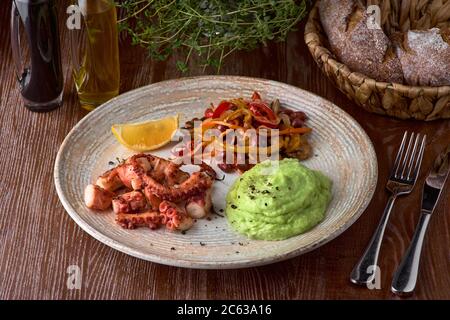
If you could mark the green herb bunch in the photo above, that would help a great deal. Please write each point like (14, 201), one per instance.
(210, 29)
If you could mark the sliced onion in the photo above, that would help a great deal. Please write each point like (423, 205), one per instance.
(285, 119)
(275, 105)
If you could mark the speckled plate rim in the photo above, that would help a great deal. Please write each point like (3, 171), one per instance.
(97, 234)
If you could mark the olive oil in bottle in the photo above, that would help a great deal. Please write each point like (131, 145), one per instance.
(97, 76)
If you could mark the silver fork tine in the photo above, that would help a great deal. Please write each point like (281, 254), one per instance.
(402, 167)
(399, 154)
(414, 154)
(419, 159)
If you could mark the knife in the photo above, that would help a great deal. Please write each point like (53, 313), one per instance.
(405, 278)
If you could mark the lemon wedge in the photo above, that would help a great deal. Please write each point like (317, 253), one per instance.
(147, 135)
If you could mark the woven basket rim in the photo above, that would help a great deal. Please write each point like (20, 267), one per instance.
(356, 77)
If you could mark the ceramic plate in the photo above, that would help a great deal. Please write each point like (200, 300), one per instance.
(342, 150)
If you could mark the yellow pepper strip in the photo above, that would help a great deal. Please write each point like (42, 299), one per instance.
(239, 103)
(234, 115)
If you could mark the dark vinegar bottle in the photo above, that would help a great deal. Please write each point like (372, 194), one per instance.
(40, 78)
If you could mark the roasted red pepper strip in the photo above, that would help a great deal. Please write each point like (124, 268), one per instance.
(267, 123)
(264, 114)
(209, 113)
(261, 109)
(221, 108)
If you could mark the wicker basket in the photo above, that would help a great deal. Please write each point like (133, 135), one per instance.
(396, 100)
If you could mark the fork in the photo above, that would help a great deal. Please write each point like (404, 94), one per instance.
(402, 179)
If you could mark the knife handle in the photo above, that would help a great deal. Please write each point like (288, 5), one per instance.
(405, 278)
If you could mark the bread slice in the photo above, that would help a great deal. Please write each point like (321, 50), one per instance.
(364, 50)
(334, 16)
(425, 57)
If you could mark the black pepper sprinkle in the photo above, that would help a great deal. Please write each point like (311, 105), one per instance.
(233, 206)
(278, 189)
(172, 248)
(265, 204)
(265, 192)
(237, 252)
(241, 244)
(111, 163)
(209, 218)
(221, 210)
(183, 232)
(202, 244)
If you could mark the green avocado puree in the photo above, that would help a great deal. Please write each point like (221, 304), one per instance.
(276, 200)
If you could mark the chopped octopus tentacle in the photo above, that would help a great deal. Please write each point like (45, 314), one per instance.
(199, 206)
(196, 183)
(97, 198)
(110, 180)
(174, 217)
(152, 199)
(150, 219)
(158, 184)
(129, 202)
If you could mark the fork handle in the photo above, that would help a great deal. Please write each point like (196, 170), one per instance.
(364, 271)
(405, 278)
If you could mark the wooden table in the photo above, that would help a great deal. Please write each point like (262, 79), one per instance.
(38, 240)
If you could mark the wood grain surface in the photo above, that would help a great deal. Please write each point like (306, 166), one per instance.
(39, 241)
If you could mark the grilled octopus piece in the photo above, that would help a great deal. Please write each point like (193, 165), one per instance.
(157, 184)
(174, 217)
(97, 198)
(163, 178)
(149, 219)
(200, 205)
(197, 183)
(129, 202)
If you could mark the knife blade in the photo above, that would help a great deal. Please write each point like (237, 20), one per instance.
(405, 277)
(435, 182)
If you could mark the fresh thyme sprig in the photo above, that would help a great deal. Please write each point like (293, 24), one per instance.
(210, 29)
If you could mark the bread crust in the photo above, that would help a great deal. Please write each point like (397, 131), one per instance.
(364, 50)
(415, 57)
(425, 57)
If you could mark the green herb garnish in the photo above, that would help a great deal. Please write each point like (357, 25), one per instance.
(210, 29)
